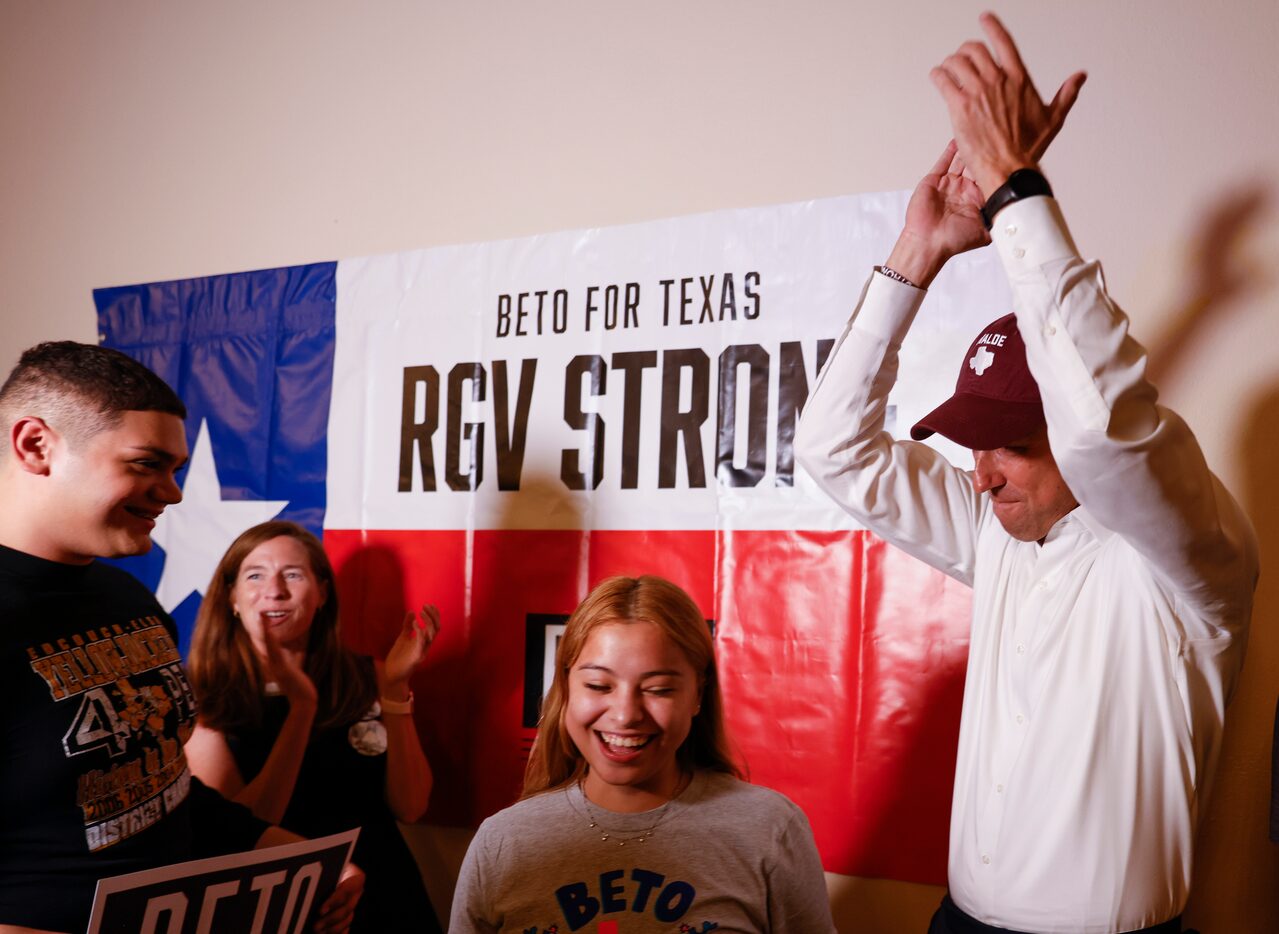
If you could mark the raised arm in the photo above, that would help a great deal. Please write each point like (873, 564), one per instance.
(1133, 464)
(905, 492)
(943, 219)
(269, 792)
(408, 774)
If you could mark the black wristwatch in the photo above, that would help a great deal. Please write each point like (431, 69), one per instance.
(1024, 183)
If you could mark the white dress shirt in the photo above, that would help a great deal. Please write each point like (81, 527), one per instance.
(1101, 661)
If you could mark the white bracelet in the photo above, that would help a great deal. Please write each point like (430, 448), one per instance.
(396, 706)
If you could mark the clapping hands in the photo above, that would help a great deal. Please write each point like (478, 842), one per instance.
(408, 652)
(999, 120)
(285, 669)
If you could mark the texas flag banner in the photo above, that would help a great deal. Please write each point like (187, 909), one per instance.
(495, 427)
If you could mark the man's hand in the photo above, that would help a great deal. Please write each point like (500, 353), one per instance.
(1000, 122)
(339, 908)
(942, 220)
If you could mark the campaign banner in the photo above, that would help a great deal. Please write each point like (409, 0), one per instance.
(495, 427)
(279, 889)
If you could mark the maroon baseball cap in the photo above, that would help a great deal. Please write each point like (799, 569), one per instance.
(996, 400)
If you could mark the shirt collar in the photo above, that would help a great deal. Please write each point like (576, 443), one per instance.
(1076, 521)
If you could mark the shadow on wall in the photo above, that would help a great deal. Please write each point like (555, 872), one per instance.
(1219, 276)
(527, 559)
(378, 585)
(1236, 866)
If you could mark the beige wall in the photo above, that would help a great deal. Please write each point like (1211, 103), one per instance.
(146, 140)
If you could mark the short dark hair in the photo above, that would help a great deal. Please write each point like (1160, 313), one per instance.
(82, 389)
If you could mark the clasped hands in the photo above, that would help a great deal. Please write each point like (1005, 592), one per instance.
(1000, 124)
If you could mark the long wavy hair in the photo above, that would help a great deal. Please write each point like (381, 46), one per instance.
(555, 760)
(224, 667)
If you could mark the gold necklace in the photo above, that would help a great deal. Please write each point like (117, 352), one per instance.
(609, 836)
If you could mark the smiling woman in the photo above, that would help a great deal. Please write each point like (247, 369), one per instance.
(632, 699)
(633, 810)
(307, 734)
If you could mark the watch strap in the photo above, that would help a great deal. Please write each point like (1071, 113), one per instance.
(1024, 183)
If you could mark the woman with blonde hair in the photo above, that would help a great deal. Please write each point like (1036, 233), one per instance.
(300, 729)
(634, 816)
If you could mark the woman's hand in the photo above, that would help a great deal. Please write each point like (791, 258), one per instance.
(408, 652)
(268, 793)
(285, 669)
(408, 775)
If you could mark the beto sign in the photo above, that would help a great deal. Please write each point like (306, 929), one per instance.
(259, 892)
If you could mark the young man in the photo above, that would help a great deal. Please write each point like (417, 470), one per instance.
(1112, 573)
(95, 703)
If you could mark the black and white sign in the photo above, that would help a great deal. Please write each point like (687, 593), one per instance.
(266, 891)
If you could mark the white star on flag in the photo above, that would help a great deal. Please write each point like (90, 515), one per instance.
(197, 531)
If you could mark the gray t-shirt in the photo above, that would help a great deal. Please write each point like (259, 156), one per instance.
(724, 856)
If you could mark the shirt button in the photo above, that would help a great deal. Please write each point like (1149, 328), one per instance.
(1042, 585)
(999, 789)
(1020, 719)
(1021, 648)
(985, 859)
(1050, 330)
(1018, 253)
(1010, 229)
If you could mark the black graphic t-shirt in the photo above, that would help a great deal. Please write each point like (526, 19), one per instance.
(94, 709)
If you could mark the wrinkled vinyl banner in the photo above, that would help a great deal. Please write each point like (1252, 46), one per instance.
(495, 427)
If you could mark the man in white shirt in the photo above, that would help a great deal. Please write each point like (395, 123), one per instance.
(1112, 573)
